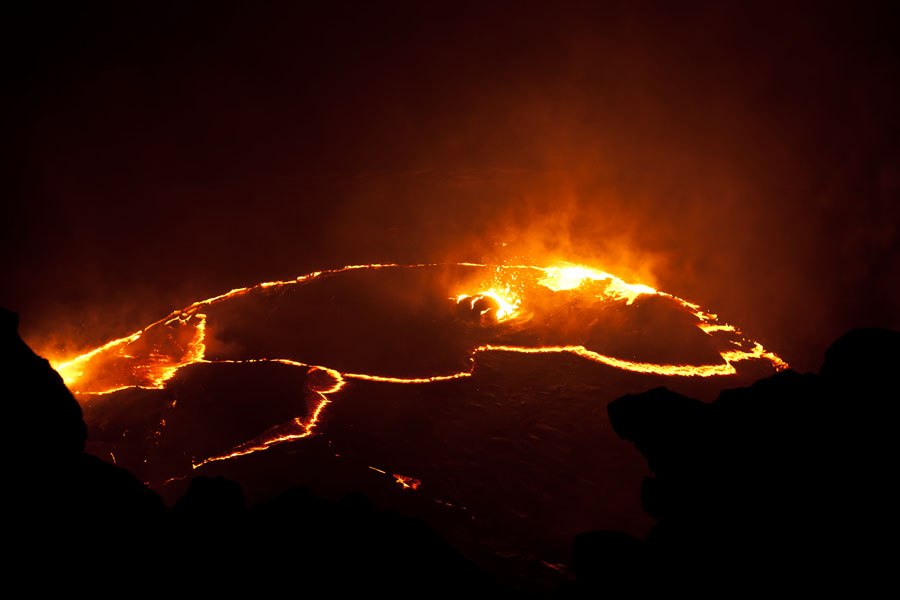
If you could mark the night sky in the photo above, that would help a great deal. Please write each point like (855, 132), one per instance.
(745, 158)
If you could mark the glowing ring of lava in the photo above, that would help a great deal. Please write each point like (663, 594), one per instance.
(152, 369)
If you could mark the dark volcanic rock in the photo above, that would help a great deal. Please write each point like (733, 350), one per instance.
(862, 357)
(69, 508)
(211, 499)
(47, 418)
(783, 481)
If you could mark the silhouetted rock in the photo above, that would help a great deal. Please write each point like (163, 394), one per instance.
(70, 509)
(47, 418)
(603, 558)
(350, 547)
(211, 499)
(862, 352)
(783, 481)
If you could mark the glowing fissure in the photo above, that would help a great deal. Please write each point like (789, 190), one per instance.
(627, 365)
(152, 370)
(293, 430)
(404, 481)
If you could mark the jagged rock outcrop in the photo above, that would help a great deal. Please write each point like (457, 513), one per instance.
(45, 420)
(785, 482)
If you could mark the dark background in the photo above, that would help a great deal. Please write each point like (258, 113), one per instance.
(744, 157)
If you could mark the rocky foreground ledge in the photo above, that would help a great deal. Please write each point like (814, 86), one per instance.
(786, 484)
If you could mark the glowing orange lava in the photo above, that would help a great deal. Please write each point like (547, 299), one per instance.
(574, 276)
(152, 356)
(406, 482)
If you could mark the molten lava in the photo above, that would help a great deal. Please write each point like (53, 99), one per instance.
(493, 304)
(494, 313)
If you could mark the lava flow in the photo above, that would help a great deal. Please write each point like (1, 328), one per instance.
(465, 310)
